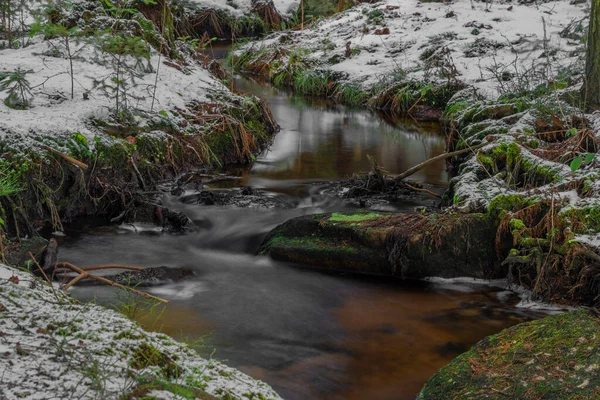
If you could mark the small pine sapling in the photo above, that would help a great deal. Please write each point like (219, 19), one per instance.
(18, 89)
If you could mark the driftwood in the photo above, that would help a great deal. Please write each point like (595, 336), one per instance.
(83, 274)
(432, 160)
(107, 266)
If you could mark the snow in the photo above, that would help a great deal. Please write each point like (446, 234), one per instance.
(423, 33)
(526, 296)
(51, 346)
(53, 113)
(240, 8)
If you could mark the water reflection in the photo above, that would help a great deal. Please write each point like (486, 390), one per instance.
(320, 140)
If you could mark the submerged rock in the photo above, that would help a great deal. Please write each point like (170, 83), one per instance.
(243, 198)
(147, 277)
(557, 357)
(369, 189)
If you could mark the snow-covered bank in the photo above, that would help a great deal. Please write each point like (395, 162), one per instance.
(53, 347)
(114, 95)
(52, 112)
(490, 46)
(243, 8)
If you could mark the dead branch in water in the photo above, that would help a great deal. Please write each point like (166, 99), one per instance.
(84, 274)
(432, 160)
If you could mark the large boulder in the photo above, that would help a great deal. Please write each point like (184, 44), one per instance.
(407, 245)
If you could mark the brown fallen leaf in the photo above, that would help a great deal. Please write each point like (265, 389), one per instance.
(558, 124)
(2, 308)
(14, 279)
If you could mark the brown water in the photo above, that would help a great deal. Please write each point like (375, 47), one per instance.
(310, 334)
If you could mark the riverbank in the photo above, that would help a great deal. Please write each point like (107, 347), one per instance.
(91, 121)
(54, 346)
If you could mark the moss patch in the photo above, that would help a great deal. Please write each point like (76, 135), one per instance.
(557, 357)
(353, 217)
(146, 355)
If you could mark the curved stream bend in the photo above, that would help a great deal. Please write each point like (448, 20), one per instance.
(309, 334)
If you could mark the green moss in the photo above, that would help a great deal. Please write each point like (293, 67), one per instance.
(146, 355)
(309, 243)
(127, 335)
(505, 203)
(147, 385)
(453, 110)
(486, 161)
(582, 220)
(353, 217)
(553, 358)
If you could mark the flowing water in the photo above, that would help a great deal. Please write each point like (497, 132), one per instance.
(310, 334)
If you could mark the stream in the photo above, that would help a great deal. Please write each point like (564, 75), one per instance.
(309, 334)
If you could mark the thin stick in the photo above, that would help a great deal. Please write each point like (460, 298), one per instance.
(112, 266)
(74, 281)
(422, 190)
(302, 14)
(40, 268)
(45, 276)
(109, 282)
(97, 267)
(432, 160)
(66, 157)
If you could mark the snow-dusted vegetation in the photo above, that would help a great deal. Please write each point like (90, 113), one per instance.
(54, 347)
(100, 101)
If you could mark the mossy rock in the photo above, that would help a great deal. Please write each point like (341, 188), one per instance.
(406, 245)
(557, 357)
(340, 241)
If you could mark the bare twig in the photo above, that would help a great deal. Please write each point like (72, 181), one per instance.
(83, 274)
(432, 160)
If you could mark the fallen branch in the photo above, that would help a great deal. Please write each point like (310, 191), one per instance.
(432, 160)
(66, 157)
(83, 274)
(423, 190)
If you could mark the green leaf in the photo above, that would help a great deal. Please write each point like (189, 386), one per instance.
(589, 157)
(576, 164)
(1, 222)
(571, 132)
(164, 113)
